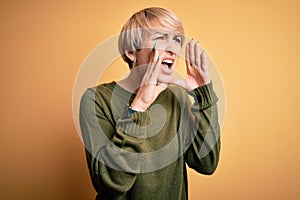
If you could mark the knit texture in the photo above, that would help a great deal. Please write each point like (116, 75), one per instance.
(144, 155)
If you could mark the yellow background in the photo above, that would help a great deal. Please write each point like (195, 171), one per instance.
(255, 45)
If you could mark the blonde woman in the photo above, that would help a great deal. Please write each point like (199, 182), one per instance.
(140, 132)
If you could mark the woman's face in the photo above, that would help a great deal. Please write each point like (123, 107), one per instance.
(168, 44)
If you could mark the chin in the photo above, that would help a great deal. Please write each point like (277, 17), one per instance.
(163, 78)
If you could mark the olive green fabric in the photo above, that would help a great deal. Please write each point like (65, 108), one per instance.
(144, 155)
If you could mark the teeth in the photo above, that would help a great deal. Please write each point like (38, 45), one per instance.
(168, 61)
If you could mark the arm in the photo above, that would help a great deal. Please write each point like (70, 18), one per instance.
(203, 152)
(114, 163)
(111, 168)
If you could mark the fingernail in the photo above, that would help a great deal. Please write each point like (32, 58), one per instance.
(154, 47)
(158, 57)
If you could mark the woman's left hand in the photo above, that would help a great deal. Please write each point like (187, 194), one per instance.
(196, 65)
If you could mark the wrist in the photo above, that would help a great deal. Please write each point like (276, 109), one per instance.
(196, 84)
(138, 107)
(130, 111)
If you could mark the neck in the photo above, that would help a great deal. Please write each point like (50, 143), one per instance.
(132, 82)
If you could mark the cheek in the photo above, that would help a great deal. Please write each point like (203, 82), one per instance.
(176, 62)
(147, 44)
(144, 56)
(148, 54)
(174, 47)
(178, 49)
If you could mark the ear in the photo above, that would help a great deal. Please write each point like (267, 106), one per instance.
(131, 55)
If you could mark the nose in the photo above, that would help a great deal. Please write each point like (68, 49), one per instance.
(171, 47)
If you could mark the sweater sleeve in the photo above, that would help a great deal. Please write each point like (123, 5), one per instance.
(112, 148)
(204, 145)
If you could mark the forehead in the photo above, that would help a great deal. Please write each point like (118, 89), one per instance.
(160, 30)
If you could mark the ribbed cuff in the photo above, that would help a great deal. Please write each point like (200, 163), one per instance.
(135, 125)
(204, 96)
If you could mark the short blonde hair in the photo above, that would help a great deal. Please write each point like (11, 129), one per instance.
(131, 34)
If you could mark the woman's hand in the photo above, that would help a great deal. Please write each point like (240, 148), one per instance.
(196, 65)
(149, 88)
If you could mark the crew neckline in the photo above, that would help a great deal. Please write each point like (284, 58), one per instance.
(123, 93)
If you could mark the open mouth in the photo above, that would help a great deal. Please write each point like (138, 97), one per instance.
(168, 63)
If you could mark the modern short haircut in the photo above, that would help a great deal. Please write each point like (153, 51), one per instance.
(131, 34)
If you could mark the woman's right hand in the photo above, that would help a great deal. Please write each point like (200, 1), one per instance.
(149, 88)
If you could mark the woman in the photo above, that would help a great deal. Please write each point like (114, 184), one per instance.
(140, 132)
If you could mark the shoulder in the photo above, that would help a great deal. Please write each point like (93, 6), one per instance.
(99, 90)
(95, 95)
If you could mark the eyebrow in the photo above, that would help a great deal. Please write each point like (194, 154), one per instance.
(165, 33)
(161, 33)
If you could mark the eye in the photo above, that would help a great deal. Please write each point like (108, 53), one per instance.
(178, 39)
(159, 38)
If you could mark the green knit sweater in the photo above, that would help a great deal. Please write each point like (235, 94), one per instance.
(143, 155)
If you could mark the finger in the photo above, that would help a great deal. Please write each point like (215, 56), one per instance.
(197, 55)
(187, 57)
(158, 64)
(153, 58)
(192, 52)
(154, 53)
(150, 66)
(154, 47)
(203, 62)
(153, 69)
(148, 78)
